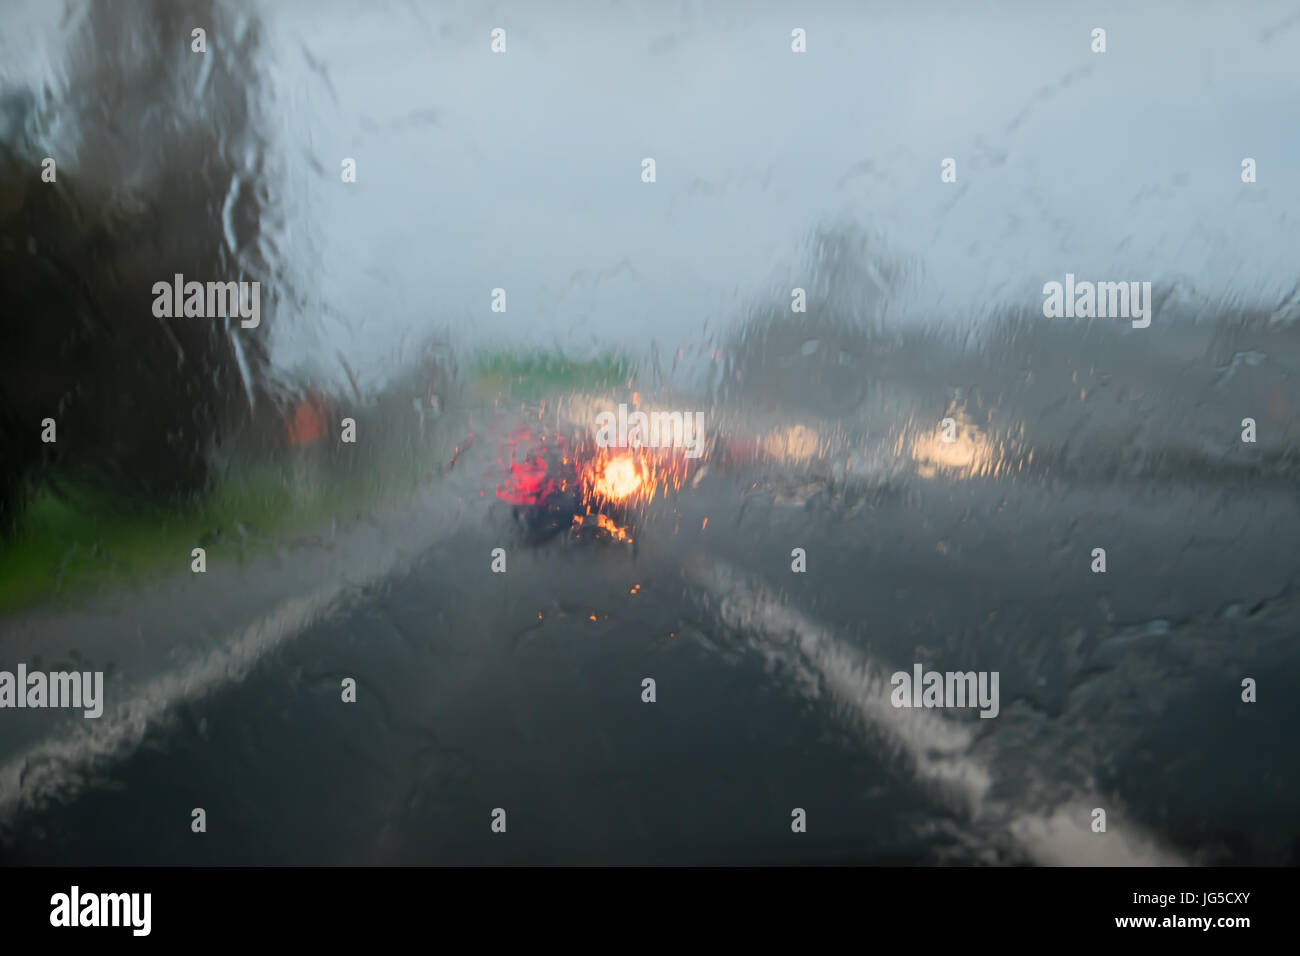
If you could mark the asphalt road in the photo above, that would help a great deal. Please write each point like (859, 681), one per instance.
(522, 691)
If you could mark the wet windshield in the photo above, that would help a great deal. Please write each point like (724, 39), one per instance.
(881, 417)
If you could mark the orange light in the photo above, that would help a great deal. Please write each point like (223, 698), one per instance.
(619, 479)
(630, 476)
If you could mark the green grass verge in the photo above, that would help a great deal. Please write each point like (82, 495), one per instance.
(82, 542)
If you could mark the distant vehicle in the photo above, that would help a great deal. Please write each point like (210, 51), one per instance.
(549, 485)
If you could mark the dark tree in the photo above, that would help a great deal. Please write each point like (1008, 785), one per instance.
(160, 171)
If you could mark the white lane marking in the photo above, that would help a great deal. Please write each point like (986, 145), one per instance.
(938, 749)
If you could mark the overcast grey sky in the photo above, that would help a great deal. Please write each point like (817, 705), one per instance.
(523, 170)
